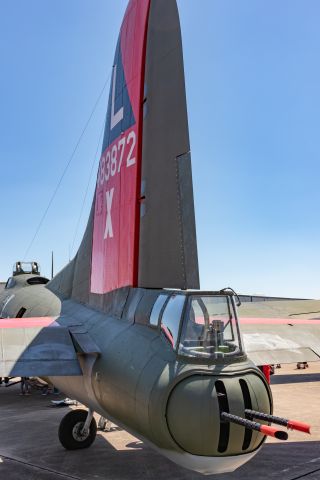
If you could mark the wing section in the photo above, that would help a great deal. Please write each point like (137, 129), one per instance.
(281, 340)
(36, 347)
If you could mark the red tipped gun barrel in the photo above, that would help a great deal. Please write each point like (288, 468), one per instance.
(290, 424)
(264, 429)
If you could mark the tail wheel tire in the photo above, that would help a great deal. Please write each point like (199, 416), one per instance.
(70, 430)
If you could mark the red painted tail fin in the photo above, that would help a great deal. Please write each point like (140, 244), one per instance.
(141, 231)
(117, 192)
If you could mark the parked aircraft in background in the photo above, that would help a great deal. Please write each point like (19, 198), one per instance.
(18, 297)
(123, 327)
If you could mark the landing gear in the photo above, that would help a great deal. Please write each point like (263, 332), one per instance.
(104, 424)
(302, 365)
(77, 429)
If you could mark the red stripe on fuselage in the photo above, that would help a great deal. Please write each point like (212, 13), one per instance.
(28, 322)
(279, 321)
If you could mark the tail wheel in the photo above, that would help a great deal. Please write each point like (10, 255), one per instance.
(71, 434)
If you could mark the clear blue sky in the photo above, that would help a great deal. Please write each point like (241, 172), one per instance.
(253, 88)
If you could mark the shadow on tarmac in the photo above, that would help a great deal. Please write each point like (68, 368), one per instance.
(30, 449)
(295, 378)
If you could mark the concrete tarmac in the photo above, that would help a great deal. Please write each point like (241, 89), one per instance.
(30, 449)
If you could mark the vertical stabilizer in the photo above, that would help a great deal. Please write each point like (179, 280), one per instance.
(141, 230)
(115, 231)
(168, 248)
(144, 227)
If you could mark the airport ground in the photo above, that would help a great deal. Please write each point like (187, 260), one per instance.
(30, 449)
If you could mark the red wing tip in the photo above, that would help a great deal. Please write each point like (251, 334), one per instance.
(278, 321)
(28, 322)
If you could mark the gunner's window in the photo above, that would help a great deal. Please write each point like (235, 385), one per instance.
(171, 317)
(10, 283)
(210, 328)
(157, 307)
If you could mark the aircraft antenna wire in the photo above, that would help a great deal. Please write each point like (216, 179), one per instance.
(67, 165)
(87, 188)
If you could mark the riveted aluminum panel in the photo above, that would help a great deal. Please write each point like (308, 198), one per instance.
(167, 251)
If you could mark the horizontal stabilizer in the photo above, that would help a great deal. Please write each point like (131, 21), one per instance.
(281, 340)
(36, 350)
(272, 357)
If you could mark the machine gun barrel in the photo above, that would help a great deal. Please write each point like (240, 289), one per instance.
(264, 429)
(290, 424)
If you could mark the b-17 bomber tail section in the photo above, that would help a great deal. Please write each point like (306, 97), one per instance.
(141, 231)
(128, 335)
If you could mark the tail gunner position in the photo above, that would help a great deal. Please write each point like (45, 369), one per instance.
(126, 336)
